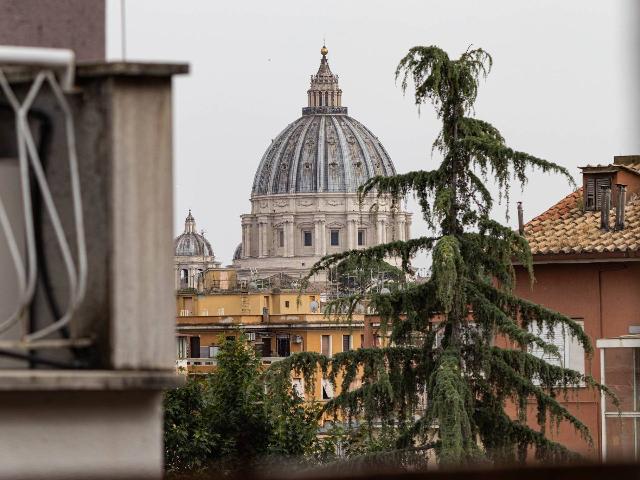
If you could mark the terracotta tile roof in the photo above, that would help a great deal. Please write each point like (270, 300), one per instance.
(566, 229)
(632, 167)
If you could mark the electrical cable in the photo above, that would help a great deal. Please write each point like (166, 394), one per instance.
(24, 297)
(77, 280)
(27, 150)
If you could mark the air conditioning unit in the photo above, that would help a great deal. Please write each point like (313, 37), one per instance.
(251, 336)
(296, 339)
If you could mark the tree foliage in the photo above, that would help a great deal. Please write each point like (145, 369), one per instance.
(227, 421)
(444, 383)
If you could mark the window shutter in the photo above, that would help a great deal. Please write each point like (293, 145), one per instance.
(346, 343)
(601, 182)
(326, 345)
(590, 203)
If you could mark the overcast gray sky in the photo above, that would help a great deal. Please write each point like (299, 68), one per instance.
(560, 87)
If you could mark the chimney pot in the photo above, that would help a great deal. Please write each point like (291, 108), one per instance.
(620, 207)
(605, 206)
(520, 219)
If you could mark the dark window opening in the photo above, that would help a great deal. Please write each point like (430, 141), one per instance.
(308, 241)
(281, 237)
(194, 347)
(266, 347)
(361, 238)
(346, 343)
(283, 346)
(286, 304)
(335, 238)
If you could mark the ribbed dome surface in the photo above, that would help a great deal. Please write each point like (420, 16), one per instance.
(191, 243)
(321, 153)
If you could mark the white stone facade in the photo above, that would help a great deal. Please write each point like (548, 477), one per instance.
(193, 255)
(289, 233)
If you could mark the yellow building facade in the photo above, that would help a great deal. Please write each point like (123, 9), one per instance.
(275, 323)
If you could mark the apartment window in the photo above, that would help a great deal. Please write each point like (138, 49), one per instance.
(327, 389)
(346, 343)
(361, 237)
(362, 340)
(182, 346)
(307, 238)
(313, 305)
(335, 238)
(325, 345)
(281, 237)
(283, 346)
(571, 352)
(286, 304)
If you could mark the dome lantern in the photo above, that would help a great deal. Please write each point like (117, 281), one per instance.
(324, 95)
(190, 223)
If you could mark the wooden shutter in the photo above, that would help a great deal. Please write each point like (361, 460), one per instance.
(326, 345)
(590, 198)
(346, 343)
(601, 182)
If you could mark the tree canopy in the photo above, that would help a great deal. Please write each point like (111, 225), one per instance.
(227, 421)
(443, 384)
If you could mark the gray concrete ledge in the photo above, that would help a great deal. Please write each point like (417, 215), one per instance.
(73, 380)
(132, 69)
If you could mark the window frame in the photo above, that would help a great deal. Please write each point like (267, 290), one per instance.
(335, 231)
(572, 354)
(330, 353)
(306, 233)
(280, 237)
(350, 342)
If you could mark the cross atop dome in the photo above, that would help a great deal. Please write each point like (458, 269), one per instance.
(324, 95)
(190, 224)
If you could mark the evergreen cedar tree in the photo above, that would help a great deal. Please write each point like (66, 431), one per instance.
(466, 303)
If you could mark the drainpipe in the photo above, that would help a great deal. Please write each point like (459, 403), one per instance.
(620, 207)
(605, 206)
(520, 219)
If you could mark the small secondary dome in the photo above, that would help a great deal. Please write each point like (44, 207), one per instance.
(325, 150)
(191, 243)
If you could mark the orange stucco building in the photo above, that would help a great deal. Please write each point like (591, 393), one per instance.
(586, 252)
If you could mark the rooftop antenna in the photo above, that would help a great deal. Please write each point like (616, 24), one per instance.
(123, 31)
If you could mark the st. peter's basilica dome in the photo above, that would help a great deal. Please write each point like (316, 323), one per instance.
(304, 201)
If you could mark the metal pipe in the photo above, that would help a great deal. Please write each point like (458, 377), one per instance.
(621, 205)
(605, 206)
(520, 219)
(603, 417)
(55, 58)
